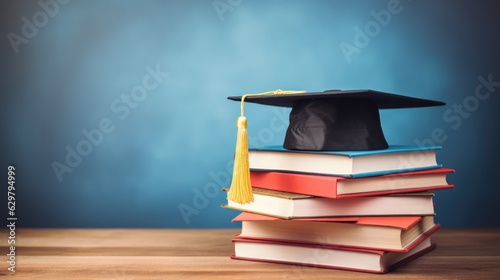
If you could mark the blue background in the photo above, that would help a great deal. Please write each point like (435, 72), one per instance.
(174, 149)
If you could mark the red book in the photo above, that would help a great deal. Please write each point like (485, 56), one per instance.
(324, 256)
(398, 234)
(338, 187)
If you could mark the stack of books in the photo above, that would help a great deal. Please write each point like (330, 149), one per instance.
(369, 211)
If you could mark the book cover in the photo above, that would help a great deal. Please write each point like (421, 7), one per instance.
(325, 256)
(394, 159)
(390, 150)
(398, 234)
(291, 205)
(338, 187)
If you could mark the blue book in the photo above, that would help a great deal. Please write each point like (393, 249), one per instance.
(351, 164)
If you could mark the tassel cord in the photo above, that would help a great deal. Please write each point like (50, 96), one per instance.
(276, 92)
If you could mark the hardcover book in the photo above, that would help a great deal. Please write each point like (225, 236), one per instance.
(394, 159)
(381, 233)
(291, 205)
(324, 256)
(338, 187)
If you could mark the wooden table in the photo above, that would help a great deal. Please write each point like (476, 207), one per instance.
(204, 254)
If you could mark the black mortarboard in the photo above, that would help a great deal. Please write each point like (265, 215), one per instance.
(345, 120)
(320, 121)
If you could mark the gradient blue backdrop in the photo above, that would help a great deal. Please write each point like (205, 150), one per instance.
(172, 151)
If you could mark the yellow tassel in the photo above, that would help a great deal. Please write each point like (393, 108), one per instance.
(241, 187)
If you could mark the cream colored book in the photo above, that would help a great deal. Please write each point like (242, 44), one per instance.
(291, 205)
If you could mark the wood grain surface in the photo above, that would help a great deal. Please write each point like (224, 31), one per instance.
(204, 254)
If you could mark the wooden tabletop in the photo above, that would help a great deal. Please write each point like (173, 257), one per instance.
(204, 254)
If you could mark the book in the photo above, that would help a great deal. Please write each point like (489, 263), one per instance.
(324, 256)
(290, 205)
(338, 187)
(381, 233)
(394, 159)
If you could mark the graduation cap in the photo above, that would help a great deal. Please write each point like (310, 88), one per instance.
(333, 120)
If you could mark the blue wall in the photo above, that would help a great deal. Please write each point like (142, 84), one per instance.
(147, 81)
